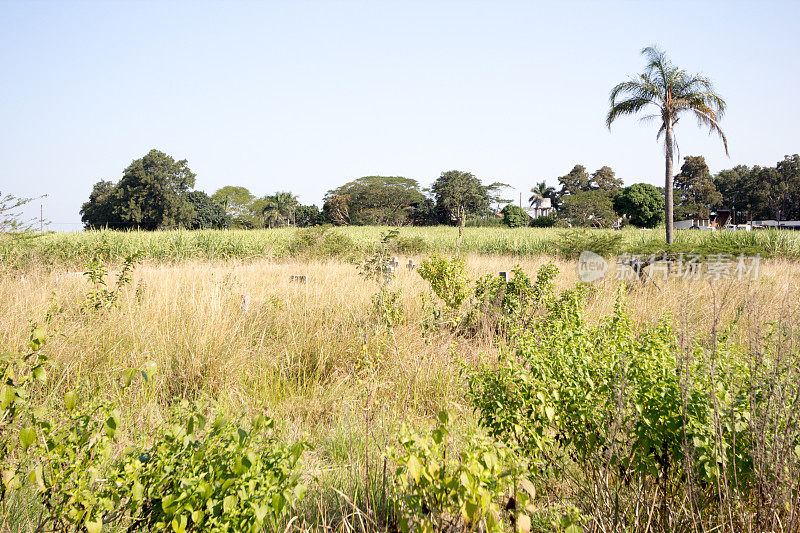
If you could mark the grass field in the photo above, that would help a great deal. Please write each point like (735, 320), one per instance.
(216, 316)
(78, 248)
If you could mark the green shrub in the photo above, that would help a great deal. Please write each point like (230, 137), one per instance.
(504, 305)
(546, 221)
(436, 493)
(623, 406)
(320, 242)
(410, 245)
(603, 243)
(514, 216)
(448, 279)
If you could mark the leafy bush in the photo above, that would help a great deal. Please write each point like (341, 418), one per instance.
(605, 244)
(448, 279)
(320, 242)
(514, 216)
(639, 420)
(410, 245)
(99, 297)
(437, 494)
(504, 305)
(187, 475)
(546, 221)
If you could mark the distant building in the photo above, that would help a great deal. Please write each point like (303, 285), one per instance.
(541, 207)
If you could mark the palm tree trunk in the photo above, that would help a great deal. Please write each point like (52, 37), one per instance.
(668, 185)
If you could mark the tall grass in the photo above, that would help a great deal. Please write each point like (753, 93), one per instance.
(313, 356)
(174, 246)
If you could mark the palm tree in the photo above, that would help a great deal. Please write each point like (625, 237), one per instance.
(672, 91)
(279, 207)
(541, 190)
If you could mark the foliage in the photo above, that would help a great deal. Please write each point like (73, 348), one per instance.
(543, 190)
(672, 91)
(696, 190)
(642, 204)
(207, 214)
(507, 305)
(187, 475)
(603, 179)
(377, 200)
(590, 208)
(574, 242)
(438, 494)
(448, 279)
(236, 202)
(215, 476)
(574, 182)
(514, 216)
(18, 373)
(308, 215)
(320, 241)
(278, 209)
(99, 297)
(11, 222)
(546, 221)
(151, 195)
(459, 194)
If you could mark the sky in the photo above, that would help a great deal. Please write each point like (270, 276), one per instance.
(304, 96)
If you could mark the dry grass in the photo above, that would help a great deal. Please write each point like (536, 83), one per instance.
(312, 355)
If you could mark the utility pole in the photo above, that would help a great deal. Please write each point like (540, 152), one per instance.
(41, 218)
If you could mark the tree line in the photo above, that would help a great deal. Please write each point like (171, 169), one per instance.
(157, 192)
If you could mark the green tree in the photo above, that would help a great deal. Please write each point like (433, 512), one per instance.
(542, 190)
(374, 200)
(278, 209)
(151, 195)
(588, 208)
(237, 202)
(741, 192)
(788, 186)
(642, 203)
(605, 180)
(459, 194)
(207, 214)
(575, 181)
(99, 211)
(515, 217)
(697, 193)
(308, 215)
(671, 91)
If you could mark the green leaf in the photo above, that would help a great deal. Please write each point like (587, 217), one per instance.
(95, 526)
(39, 374)
(550, 412)
(229, 503)
(414, 468)
(137, 492)
(111, 426)
(27, 437)
(70, 399)
(179, 524)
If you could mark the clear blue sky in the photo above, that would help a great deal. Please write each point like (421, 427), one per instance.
(304, 96)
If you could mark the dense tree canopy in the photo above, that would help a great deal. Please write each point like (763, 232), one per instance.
(642, 204)
(459, 194)
(207, 214)
(374, 200)
(695, 189)
(150, 195)
(589, 208)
